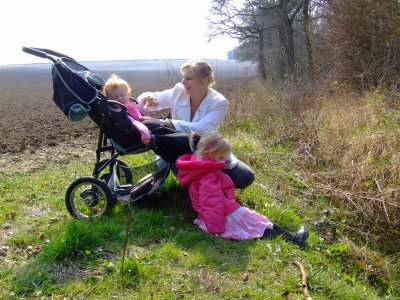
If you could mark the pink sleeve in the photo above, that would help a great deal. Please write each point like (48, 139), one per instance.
(134, 111)
(143, 130)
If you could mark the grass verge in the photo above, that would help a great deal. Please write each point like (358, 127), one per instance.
(47, 254)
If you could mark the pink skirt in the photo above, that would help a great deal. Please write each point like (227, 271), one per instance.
(242, 224)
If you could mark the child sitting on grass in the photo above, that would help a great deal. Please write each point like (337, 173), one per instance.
(212, 194)
(119, 90)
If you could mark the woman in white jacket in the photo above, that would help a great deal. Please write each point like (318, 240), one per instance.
(196, 107)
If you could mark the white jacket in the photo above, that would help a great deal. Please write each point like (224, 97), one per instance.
(208, 117)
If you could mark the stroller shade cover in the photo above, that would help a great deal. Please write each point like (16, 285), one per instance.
(75, 88)
(77, 92)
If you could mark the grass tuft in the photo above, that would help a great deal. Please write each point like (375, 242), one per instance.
(80, 240)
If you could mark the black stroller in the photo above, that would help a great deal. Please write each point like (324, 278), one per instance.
(77, 92)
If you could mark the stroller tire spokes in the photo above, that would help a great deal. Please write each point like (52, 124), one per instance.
(88, 198)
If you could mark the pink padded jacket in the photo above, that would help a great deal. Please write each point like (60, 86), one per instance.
(211, 191)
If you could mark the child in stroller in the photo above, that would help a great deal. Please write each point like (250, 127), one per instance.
(119, 90)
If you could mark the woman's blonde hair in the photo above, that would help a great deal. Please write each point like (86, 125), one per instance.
(202, 70)
(210, 143)
(114, 82)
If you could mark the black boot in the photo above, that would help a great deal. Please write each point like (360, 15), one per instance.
(299, 237)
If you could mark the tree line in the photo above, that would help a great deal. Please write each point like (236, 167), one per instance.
(352, 41)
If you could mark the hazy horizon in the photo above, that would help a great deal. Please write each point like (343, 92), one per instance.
(140, 71)
(83, 62)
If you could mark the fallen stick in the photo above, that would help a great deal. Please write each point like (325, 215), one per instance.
(303, 279)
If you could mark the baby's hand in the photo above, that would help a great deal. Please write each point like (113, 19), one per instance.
(145, 141)
(144, 118)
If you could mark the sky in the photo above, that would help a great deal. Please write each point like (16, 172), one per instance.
(98, 30)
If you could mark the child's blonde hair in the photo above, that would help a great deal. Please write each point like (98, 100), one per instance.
(210, 143)
(114, 82)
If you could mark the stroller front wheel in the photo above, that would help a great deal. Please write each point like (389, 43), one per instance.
(88, 198)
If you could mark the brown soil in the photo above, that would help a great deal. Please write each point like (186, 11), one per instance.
(30, 120)
(33, 129)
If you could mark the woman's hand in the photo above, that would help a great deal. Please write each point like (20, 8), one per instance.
(162, 122)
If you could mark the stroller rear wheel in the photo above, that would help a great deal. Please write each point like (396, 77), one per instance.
(88, 198)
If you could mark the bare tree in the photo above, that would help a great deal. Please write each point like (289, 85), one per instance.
(247, 24)
(246, 51)
(252, 22)
(287, 15)
(307, 37)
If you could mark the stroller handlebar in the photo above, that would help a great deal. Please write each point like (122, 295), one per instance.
(45, 53)
(35, 52)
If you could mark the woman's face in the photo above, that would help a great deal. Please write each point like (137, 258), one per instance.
(192, 83)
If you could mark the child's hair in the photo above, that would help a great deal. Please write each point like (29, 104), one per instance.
(114, 82)
(210, 143)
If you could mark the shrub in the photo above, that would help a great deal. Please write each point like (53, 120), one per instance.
(362, 41)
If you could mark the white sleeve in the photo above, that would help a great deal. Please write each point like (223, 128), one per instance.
(165, 98)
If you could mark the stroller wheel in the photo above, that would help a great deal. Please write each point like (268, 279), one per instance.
(88, 198)
(123, 172)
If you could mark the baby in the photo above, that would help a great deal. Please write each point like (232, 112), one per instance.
(119, 90)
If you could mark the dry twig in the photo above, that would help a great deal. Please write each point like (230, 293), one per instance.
(383, 199)
(303, 279)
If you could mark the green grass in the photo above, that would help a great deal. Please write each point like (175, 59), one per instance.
(51, 255)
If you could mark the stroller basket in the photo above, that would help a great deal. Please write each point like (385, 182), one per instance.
(132, 183)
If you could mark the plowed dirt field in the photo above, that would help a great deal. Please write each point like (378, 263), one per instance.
(34, 132)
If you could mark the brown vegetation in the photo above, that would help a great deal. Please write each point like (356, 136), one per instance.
(362, 41)
(345, 145)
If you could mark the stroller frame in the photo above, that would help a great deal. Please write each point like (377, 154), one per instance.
(91, 197)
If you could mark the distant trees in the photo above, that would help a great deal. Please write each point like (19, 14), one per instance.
(247, 24)
(356, 41)
(266, 24)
